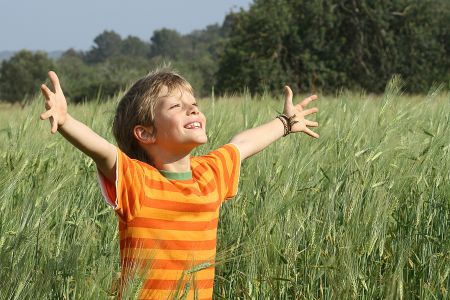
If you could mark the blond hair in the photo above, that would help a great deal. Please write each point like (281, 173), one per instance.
(137, 107)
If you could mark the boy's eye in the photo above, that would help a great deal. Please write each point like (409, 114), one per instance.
(195, 104)
(174, 106)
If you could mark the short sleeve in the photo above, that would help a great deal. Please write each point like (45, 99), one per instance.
(225, 163)
(126, 194)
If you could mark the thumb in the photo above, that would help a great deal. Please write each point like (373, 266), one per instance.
(287, 98)
(54, 124)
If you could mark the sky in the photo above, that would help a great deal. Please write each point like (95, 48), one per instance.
(51, 25)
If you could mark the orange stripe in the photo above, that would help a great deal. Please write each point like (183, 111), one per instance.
(129, 194)
(209, 188)
(132, 272)
(172, 284)
(189, 296)
(230, 148)
(174, 225)
(215, 170)
(234, 176)
(204, 255)
(205, 171)
(233, 155)
(166, 234)
(169, 244)
(179, 187)
(182, 206)
(167, 295)
(198, 193)
(169, 215)
(221, 184)
(206, 274)
(161, 264)
(203, 294)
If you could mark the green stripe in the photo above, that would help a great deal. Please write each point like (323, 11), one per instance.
(177, 175)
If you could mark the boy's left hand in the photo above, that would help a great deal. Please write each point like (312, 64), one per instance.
(300, 113)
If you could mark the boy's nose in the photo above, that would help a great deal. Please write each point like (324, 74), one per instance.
(193, 110)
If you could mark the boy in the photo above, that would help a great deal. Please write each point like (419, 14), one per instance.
(168, 202)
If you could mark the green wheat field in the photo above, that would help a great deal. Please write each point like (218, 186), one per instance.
(361, 213)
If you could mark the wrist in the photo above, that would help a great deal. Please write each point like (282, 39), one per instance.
(287, 123)
(63, 122)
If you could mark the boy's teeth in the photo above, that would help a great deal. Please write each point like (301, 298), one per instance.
(193, 125)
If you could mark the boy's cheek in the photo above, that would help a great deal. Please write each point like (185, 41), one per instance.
(204, 120)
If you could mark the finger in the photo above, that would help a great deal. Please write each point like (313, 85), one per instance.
(311, 123)
(54, 123)
(288, 97)
(55, 80)
(46, 115)
(310, 111)
(46, 92)
(311, 133)
(306, 101)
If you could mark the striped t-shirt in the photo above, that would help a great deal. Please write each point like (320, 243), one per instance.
(167, 226)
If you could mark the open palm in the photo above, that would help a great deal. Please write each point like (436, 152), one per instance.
(301, 124)
(55, 103)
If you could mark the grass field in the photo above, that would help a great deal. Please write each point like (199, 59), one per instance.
(363, 212)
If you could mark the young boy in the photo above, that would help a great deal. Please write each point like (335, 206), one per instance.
(167, 201)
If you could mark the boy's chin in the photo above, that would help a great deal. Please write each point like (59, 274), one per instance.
(202, 141)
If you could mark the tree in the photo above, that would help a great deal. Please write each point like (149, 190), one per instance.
(167, 43)
(107, 44)
(327, 45)
(22, 74)
(135, 47)
(253, 57)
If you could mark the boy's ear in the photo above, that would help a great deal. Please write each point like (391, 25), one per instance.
(144, 134)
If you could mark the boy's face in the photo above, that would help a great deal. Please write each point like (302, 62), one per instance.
(179, 121)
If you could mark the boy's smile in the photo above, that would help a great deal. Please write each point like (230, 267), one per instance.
(193, 125)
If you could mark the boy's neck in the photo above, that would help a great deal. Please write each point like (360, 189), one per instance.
(182, 164)
(170, 161)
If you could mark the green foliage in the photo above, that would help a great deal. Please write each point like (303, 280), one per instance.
(83, 81)
(194, 55)
(107, 44)
(22, 75)
(255, 50)
(105, 71)
(327, 45)
(78, 79)
(133, 46)
(167, 43)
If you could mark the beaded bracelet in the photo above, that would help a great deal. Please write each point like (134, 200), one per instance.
(287, 123)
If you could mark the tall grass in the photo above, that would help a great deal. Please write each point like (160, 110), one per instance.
(363, 212)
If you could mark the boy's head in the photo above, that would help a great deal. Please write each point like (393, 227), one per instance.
(158, 109)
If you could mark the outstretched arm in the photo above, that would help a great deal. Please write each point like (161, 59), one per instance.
(100, 150)
(253, 140)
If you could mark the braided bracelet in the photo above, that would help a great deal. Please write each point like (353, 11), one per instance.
(287, 123)
(283, 120)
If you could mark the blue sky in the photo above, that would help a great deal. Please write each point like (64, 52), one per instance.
(59, 25)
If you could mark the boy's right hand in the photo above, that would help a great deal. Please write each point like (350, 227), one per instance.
(55, 103)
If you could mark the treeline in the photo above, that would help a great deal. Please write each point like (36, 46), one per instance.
(113, 62)
(320, 45)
